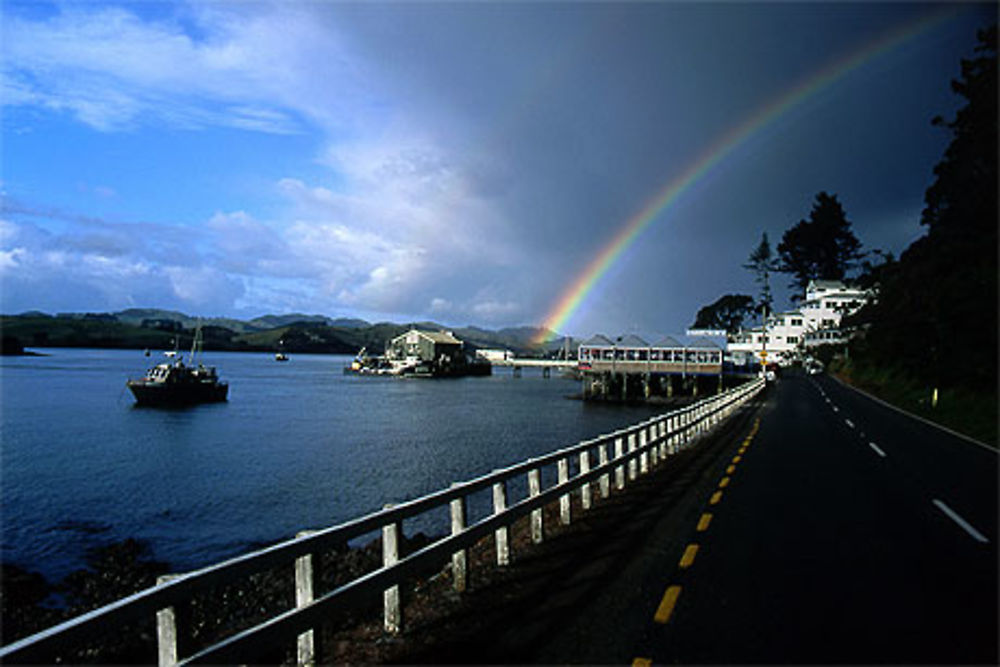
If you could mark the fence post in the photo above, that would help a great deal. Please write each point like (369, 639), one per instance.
(306, 577)
(654, 444)
(564, 505)
(605, 480)
(619, 470)
(501, 534)
(664, 446)
(172, 630)
(537, 516)
(632, 463)
(459, 559)
(644, 456)
(586, 495)
(392, 610)
(672, 427)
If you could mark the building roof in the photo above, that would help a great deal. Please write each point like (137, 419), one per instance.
(437, 337)
(599, 341)
(702, 343)
(668, 342)
(632, 340)
(825, 284)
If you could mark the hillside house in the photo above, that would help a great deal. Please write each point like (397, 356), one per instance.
(788, 335)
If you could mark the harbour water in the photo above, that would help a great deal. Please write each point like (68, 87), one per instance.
(298, 445)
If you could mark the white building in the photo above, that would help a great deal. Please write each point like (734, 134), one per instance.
(789, 334)
(492, 355)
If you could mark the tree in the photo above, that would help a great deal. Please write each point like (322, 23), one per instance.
(761, 263)
(820, 248)
(728, 312)
(936, 312)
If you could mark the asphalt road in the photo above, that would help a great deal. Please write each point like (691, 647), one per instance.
(845, 532)
(815, 526)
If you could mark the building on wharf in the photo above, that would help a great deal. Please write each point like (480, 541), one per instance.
(628, 368)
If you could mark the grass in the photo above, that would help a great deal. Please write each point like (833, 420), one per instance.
(969, 412)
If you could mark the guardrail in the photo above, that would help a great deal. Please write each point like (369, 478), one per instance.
(633, 451)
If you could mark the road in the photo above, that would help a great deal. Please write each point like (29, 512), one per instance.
(816, 526)
(845, 532)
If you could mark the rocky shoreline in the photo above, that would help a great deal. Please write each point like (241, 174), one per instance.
(29, 603)
(434, 615)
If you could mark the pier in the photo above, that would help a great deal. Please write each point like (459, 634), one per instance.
(628, 368)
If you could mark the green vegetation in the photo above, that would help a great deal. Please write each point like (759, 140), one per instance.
(972, 413)
(729, 312)
(934, 321)
(820, 248)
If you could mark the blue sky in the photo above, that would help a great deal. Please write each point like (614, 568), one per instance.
(460, 162)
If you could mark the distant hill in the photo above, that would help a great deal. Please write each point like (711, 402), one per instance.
(273, 321)
(153, 328)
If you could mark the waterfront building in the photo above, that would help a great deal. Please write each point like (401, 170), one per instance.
(426, 346)
(788, 335)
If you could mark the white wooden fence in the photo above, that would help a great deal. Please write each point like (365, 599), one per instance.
(599, 464)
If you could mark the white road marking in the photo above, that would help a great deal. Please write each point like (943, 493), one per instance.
(876, 448)
(836, 409)
(976, 535)
(849, 423)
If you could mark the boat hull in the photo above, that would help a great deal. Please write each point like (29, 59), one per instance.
(181, 393)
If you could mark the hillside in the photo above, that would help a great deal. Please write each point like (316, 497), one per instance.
(137, 328)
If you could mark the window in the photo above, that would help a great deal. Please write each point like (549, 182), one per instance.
(793, 339)
(796, 322)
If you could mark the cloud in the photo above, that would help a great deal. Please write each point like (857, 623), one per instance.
(237, 67)
(439, 305)
(407, 210)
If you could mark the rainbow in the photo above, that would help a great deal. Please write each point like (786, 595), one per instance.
(574, 296)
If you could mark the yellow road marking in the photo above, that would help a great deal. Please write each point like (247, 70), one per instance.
(642, 662)
(688, 558)
(724, 482)
(730, 470)
(736, 459)
(667, 604)
(703, 522)
(716, 497)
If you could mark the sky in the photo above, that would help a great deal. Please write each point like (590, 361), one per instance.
(462, 162)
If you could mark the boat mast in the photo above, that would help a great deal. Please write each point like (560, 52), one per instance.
(196, 344)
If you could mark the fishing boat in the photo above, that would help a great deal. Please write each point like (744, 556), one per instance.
(175, 383)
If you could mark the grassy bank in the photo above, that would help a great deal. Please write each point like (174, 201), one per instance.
(971, 413)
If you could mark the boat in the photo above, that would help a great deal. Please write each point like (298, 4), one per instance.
(175, 383)
(280, 354)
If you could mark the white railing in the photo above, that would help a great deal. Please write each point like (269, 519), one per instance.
(578, 470)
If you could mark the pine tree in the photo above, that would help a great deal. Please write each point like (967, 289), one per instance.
(820, 248)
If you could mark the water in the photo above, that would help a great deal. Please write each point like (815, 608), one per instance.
(298, 445)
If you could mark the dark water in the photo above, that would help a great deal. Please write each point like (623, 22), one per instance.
(299, 445)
